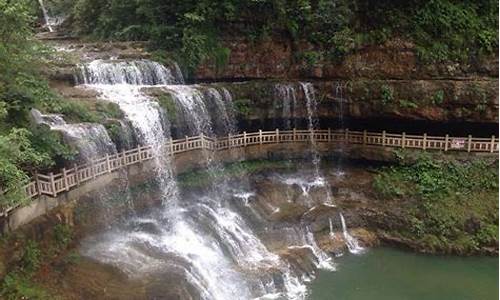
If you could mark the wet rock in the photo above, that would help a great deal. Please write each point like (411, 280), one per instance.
(301, 258)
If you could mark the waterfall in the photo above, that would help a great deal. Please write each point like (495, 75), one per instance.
(312, 120)
(46, 16)
(330, 225)
(225, 121)
(286, 93)
(202, 240)
(339, 96)
(138, 72)
(312, 113)
(352, 243)
(190, 101)
(90, 139)
(324, 260)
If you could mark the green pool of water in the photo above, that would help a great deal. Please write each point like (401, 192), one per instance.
(396, 275)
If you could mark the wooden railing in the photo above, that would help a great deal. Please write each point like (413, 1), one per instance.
(54, 184)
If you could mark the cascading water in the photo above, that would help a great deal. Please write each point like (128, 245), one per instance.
(330, 227)
(90, 139)
(227, 227)
(287, 95)
(312, 112)
(312, 120)
(352, 243)
(45, 16)
(209, 244)
(138, 73)
(340, 98)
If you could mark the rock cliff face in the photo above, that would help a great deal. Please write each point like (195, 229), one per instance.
(385, 81)
(278, 58)
(424, 100)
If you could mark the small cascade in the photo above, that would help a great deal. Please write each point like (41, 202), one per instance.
(330, 226)
(352, 243)
(225, 120)
(324, 260)
(46, 16)
(245, 196)
(142, 72)
(190, 101)
(321, 259)
(340, 97)
(312, 113)
(312, 120)
(90, 139)
(305, 184)
(286, 95)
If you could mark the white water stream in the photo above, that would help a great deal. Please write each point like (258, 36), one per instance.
(46, 16)
(352, 243)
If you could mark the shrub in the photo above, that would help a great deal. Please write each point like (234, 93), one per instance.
(62, 235)
(387, 93)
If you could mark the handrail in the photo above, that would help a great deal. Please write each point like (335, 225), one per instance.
(54, 184)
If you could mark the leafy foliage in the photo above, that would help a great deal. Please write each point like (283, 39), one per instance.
(17, 286)
(23, 148)
(62, 235)
(441, 29)
(449, 202)
(387, 94)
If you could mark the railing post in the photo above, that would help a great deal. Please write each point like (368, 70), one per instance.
(346, 136)
(260, 136)
(77, 175)
(329, 135)
(53, 184)
(446, 141)
(38, 185)
(403, 140)
(424, 146)
(92, 167)
(108, 163)
(277, 135)
(186, 142)
(229, 146)
(171, 147)
(202, 138)
(492, 144)
(383, 138)
(244, 138)
(124, 159)
(364, 137)
(65, 179)
(469, 144)
(294, 134)
(138, 153)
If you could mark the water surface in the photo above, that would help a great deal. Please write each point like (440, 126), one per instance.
(396, 275)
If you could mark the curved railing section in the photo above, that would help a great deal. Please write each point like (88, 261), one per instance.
(54, 184)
